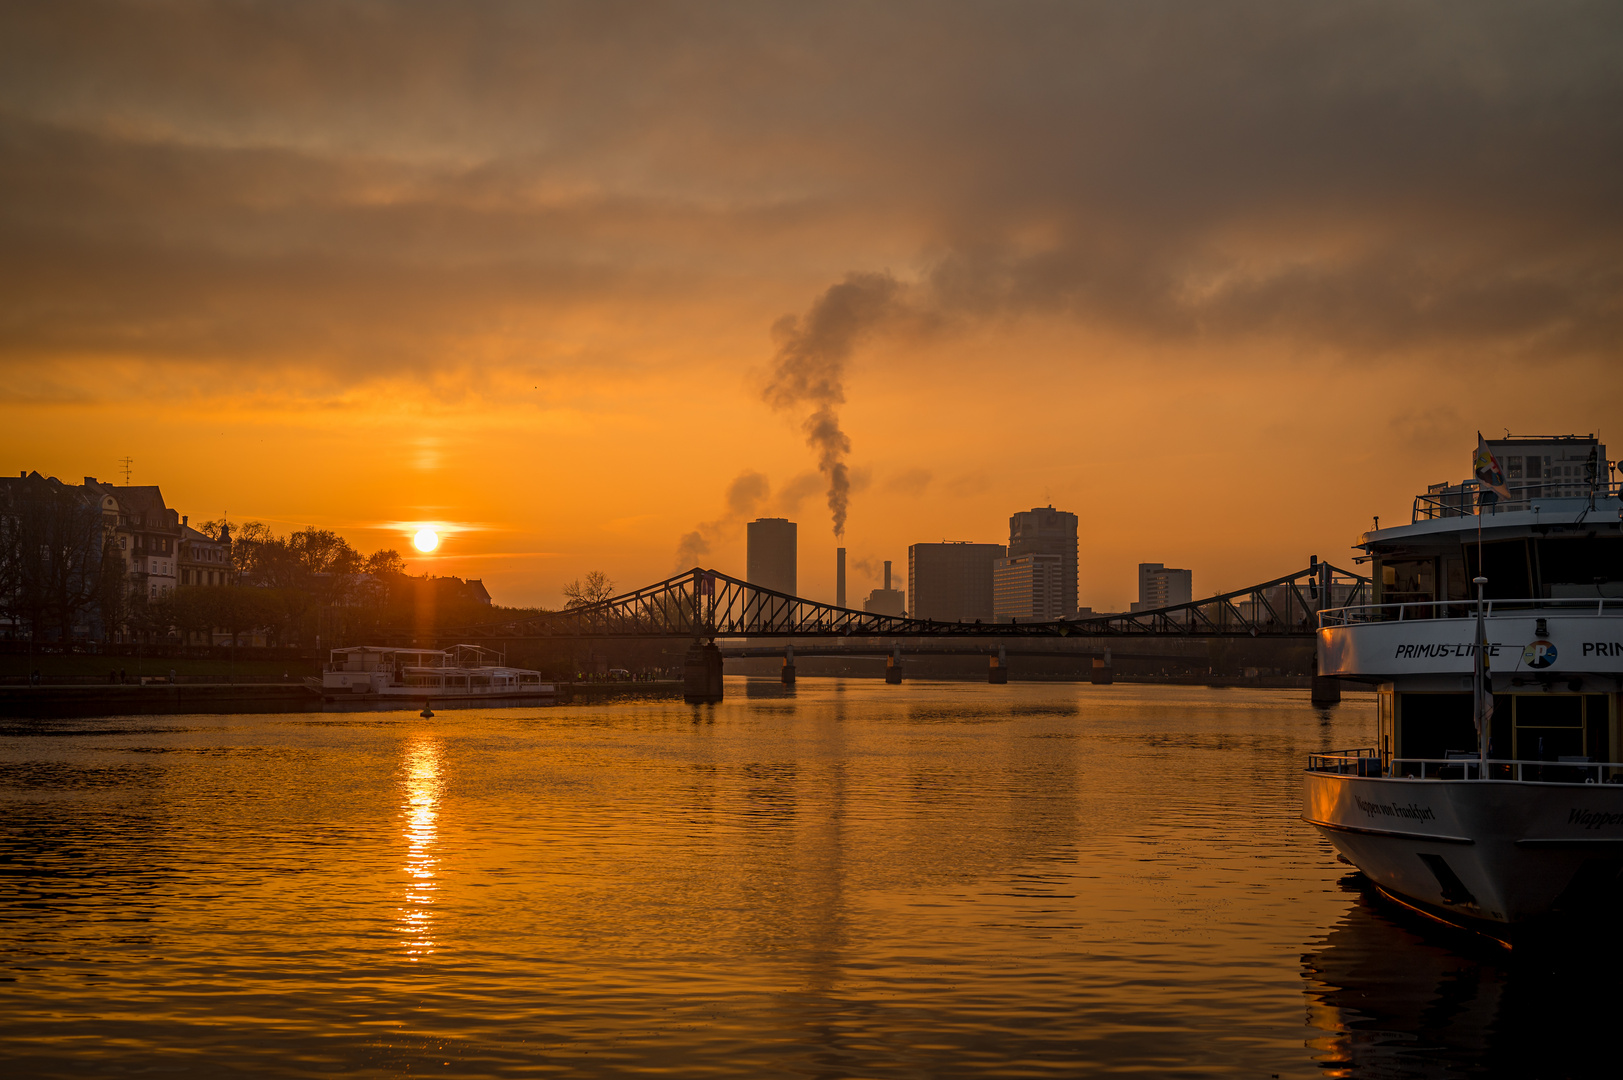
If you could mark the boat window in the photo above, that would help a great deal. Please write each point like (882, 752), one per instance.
(1581, 567)
(1430, 725)
(1507, 566)
(1405, 581)
(1456, 579)
(1548, 726)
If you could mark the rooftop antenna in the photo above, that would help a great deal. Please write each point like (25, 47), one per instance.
(126, 463)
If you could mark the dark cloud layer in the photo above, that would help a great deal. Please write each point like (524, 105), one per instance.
(369, 182)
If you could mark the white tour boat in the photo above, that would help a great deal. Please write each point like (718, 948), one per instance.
(427, 675)
(1502, 598)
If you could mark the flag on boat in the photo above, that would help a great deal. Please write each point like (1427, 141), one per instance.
(1488, 472)
(1484, 682)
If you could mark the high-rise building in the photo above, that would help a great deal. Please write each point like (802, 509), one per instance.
(1029, 588)
(952, 581)
(1550, 466)
(1162, 586)
(886, 601)
(1042, 530)
(773, 552)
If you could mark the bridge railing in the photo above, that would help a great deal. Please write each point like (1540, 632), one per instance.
(703, 603)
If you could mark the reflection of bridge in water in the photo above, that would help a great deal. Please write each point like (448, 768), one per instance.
(724, 616)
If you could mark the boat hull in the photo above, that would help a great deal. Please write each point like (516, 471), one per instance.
(1501, 852)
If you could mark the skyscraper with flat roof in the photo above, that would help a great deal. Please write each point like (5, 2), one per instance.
(952, 581)
(1029, 588)
(1042, 530)
(1161, 586)
(773, 553)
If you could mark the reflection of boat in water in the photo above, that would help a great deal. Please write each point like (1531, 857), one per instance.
(1394, 994)
(443, 676)
(1523, 599)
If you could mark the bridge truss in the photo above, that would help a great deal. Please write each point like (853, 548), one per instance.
(705, 605)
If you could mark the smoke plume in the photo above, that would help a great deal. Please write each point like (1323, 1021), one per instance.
(745, 495)
(809, 371)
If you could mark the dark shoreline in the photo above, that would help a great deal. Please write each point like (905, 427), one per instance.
(62, 702)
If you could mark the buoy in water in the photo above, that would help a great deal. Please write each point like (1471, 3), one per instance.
(427, 712)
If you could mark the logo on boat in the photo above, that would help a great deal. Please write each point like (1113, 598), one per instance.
(1539, 654)
(1413, 811)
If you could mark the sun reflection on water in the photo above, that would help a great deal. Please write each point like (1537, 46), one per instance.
(421, 830)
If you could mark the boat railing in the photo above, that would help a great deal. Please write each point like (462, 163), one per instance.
(1460, 500)
(1367, 762)
(1364, 761)
(1417, 610)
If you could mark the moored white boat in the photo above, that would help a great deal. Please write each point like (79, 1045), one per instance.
(463, 672)
(1524, 823)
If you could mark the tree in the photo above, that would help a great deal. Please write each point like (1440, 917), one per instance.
(52, 545)
(594, 590)
(113, 590)
(385, 563)
(241, 609)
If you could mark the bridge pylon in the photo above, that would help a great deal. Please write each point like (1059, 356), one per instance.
(701, 674)
(998, 673)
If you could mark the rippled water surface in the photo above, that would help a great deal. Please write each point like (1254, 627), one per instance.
(849, 879)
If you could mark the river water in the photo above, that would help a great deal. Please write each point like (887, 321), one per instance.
(846, 879)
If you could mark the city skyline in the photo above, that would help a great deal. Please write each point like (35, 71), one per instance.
(480, 272)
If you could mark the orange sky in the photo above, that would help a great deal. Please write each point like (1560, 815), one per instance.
(1224, 282)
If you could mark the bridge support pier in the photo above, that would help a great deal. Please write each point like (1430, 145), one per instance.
(702, 674)
(893, 669)
(788, 675)
(998, 673)
(1326, 688)
(1103, 671)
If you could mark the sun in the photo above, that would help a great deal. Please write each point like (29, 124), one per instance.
(426, 540)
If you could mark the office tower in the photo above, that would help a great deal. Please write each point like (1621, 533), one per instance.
(1161, 586)
(886, 601)
(839, 577)
(1550, 466)
(1043, 530)
(952, 581)
(773, 551)
(1029, 588)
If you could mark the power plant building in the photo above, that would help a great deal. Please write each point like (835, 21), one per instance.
(773, 553)
(952, 582)
(1042, 530)
(886, 601)
(1029, 588)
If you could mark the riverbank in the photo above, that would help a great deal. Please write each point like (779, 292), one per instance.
(69, 702)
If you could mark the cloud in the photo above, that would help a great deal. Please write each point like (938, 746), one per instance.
(362, 193)
(747, 493)
(796, 491)
(911, 482)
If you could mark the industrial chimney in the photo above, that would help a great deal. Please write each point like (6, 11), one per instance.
(887, 575)
(839, 577)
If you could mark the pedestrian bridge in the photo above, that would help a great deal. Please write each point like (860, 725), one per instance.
(724, 616)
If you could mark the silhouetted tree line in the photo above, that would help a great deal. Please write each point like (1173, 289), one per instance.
(62, 576)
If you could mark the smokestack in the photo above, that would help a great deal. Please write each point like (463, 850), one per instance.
(839, 577)
(887, 575)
